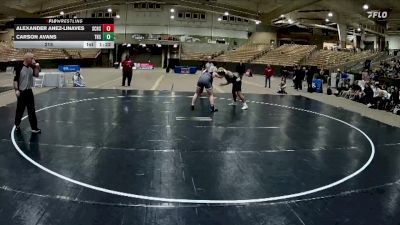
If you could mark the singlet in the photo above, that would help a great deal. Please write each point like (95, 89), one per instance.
(233, 78)
(206, 77)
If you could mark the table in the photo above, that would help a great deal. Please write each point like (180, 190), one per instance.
(185, 69)
(53, 79)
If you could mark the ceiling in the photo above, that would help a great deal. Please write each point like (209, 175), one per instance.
(300, 12)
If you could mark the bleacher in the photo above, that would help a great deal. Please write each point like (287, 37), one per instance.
(329, 59)
(7, 53)
(286, 55)
(48, 53)
(246, 53)
(193, 56)
(82, 53)
(199, 55)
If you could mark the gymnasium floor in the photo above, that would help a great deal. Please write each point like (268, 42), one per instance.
(119, 156)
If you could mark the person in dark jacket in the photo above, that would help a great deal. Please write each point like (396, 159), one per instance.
(299, 73)
(240, 69)
(309, 76)
(368, 95)
(284, 72)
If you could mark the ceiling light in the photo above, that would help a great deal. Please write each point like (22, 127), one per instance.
(330, 14)
(175, 45)
(109, 10)
(172, 10)
(365, 6)
(358, 29)
(219, 19)
(158, 45)
(282, 16)
(75, 17)
(128, 45)
(117, 16)
(226, 14)
(172, 17)
(326, 20)
(258, 22)
(62, 13)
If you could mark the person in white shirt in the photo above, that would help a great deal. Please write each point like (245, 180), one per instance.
(78, 80)
(209, 65)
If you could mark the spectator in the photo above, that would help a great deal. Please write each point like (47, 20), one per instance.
(309, 76)
(368, 94)
(365, 75)
(268, 72)
(298, 79)
(209, 64)
(377, 96)
(284, 72)
(338, 77)
(395, 98)
(127, 66)
(240, 69)
(282, 86)
(78, 80)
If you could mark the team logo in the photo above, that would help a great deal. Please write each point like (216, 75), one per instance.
(377, 14)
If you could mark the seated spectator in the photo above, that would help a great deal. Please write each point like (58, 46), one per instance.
(355, 91)
(78, 80)
(365, 75)
(367, 95)
(343, 87)
(378, 97)
(394, 99)
(282, 86)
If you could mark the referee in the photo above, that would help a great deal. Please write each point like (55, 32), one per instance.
(23, 83)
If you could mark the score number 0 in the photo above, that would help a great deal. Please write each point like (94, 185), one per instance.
(108, 32)
(108, 27)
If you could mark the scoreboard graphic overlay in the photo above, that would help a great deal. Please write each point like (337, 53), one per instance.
(64, 33)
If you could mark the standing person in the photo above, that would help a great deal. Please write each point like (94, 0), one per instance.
(240, 69)
(284, 72)
(303, 73)
(268, 72)
(209, 64)
(338, 77)
(127, 66)
(236, 81)
(309, 77)
(23, 83)
(206, 81)
(294, 73)
(299, 74)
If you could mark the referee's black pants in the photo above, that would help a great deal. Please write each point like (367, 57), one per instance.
(126, 76)
(26, 100)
